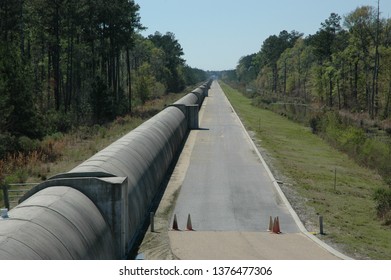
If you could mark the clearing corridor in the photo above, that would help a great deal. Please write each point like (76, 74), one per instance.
(226, 187)
(230, 195)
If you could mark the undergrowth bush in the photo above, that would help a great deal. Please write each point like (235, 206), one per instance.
(383, 204)
(52, 147)
(7, 144)
(28, 145)
(370, 152)
(315, 123)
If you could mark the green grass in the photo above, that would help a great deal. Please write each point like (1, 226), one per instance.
(349, 209)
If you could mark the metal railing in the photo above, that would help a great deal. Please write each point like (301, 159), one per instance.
(13, 192)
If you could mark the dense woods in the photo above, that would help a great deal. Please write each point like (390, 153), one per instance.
(344, 65)
(338, 81)
(65, 63)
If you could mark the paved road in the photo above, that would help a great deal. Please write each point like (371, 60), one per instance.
(226, 187)
(230, 196)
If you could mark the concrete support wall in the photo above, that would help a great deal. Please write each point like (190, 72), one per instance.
(191, 113)
(192, 116)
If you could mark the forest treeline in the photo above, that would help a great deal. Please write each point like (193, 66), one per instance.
(337, 80)
(65, 63)
(346, 64)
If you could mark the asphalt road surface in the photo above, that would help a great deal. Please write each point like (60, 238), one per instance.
(226, 187)
(230, 195)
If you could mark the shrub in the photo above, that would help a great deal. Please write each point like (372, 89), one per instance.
(351, 140)
(52, 147)
(315, 124)
(102, 132)
(27, 145)
(21, 175)
(375, 154)
(332, 128)
(158, 90)
(7, 145)
(382, 197)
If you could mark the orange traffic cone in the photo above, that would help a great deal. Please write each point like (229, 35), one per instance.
(175, 223)
(270, 224)
(189, 225)
(276, 226)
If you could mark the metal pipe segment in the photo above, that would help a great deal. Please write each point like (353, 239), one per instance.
(143, 156)
(55, 223)
(96, 210)
(188, 99)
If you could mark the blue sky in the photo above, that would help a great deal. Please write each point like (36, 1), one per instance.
(214, 34)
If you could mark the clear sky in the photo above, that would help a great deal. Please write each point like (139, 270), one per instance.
(214, 34)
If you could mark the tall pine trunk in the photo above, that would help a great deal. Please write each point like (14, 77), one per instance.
(375, 78)
(56, 59)
(129, 84)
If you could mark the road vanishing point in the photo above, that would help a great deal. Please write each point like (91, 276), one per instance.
(230, 194)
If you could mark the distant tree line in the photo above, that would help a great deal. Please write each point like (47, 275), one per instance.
(346, 64)
(65, 63)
